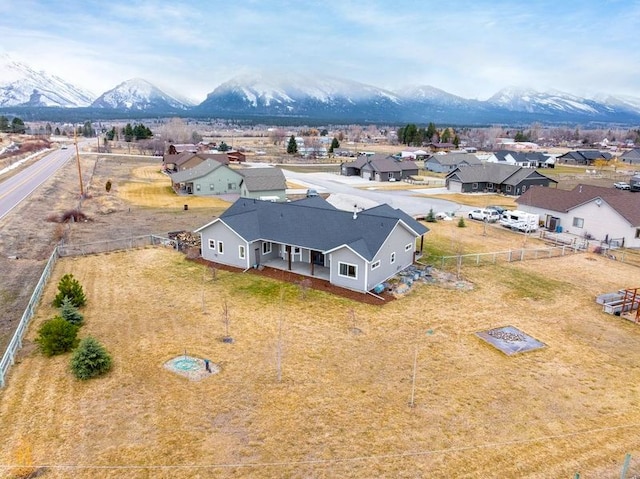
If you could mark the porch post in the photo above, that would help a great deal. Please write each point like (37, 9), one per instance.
(311, 254)
(288, 249)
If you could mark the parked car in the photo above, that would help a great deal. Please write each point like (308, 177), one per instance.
(311, 193)
(622, 185)
(499, 209)
(482, 214)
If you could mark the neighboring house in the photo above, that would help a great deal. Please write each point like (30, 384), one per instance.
(210, 177)
(631, 157)
(356, 251)
(187, 160)
(413, 153)
(176, 149)
(263, 183)
(380, 168)
(604, 214)
(584, 157)
(437, 147)
(450, 161)
(510, 180)
(523, 159)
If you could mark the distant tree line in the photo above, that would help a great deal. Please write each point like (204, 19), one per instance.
(16, 125)
(130, 132)
(412, 135)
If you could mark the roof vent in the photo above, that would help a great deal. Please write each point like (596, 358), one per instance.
(355, 214)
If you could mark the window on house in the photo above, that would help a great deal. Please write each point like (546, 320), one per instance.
(508, 188)
(220, 247)
(212, 244)
(390, 175)
(375, 265)
(231, 186)
(490, 186)
(474, 186)
(393, 257)
(578, 222)
(212, 186)
(409, 247)
(524, 187)
(241, 252)
(348, 270)
(266, 248)
(198, 187)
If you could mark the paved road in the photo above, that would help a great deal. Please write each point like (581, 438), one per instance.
(405, 200)
(15, 189)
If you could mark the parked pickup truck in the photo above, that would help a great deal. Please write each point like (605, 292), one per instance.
(622, 185)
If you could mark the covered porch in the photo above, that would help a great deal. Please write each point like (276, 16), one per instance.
(299, 267)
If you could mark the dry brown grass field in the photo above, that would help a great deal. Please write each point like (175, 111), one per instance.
(341, 408)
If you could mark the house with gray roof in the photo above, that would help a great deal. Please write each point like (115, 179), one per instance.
(380, 167)
(631, 157)
(510, 180)
(530, 159)
(605, 214)
(353, 250)
(584, 157)
(211, 178)
(263, 183)
(450, 161)
(187, 159)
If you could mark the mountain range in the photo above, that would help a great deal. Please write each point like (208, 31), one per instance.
(311, 98)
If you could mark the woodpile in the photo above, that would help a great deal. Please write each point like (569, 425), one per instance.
(185, 240)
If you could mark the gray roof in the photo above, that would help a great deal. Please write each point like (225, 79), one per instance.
(263, 179)
(453, 159)
(495, 173)
(314, 224)
(198, 171)
(383, 163)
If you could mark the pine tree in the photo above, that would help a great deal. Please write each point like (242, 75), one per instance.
(90, 359)
(4, 123)
(334, 144)
(292, 146)
(57, 336)
(69, 312)
(70, 287)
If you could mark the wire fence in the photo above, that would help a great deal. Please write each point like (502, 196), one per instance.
(510, 256)
(8, 358)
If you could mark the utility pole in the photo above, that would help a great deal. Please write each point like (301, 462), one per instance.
(75, 140)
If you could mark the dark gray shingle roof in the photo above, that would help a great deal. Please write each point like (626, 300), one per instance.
(263, 179)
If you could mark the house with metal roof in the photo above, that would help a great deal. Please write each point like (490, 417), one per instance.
(380, 167)
(354, 250)
(510, 180)
(450, 161)
(592, 212)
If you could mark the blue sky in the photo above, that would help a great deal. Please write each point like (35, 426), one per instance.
(468, 48)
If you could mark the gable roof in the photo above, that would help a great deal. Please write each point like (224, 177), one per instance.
(316, 224)
(452, 159)
(631, 154)
(197, 171)
(495, 173)
(626, 203)
(589, 155)
(263, 179)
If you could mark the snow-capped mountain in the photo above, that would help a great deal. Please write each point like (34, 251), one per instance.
(20, 85)
(532, 101)
(301, 96)
(138, 95)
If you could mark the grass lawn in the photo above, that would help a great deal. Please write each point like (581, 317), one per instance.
(341, 406)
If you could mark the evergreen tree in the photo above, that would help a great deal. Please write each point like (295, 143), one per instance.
(4, 123)
(223, 146)
(18, 126)
(70, 287)
(47, 129)
(56, 131)
(446, 136)
(292, 146)
(127, 132)
(431, 132)
(456, 140)
(87, 130)
(110, 134)
(57, 336)
(431, 217)
(91, 359)
(334, 144)
(69, 312)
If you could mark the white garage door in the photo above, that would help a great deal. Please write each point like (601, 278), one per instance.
(455, 186)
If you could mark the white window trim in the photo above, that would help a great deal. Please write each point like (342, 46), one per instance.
(375, 265)
(266, 247)
(212, 244)
(577, 222)
(408, 247)
(220, 247)
(242, 252)
(355, 270)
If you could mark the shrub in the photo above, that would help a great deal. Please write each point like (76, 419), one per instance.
(91, 359)
(431, 217)
(461, 223)
(69, 312)
(73, 216)
(71, 288)
(57, 336)
(107, 186)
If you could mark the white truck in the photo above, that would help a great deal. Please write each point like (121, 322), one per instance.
(520, 220)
